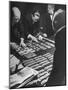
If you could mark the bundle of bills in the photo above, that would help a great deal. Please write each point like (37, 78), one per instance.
(25, 51)
(13, 62)
(30, 55)
(22, 77)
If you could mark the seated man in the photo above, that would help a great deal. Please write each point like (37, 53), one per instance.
(17, 29)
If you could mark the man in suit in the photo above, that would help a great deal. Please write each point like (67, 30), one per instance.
(58, 74)
(16, 38)
(51, 8)
(47, 21)
(32, 25)
(16, 28)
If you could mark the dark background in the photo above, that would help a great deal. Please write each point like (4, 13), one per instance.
(27, 8)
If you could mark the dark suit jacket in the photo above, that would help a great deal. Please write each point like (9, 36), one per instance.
(58, 74)
(16, 32)
(30, 27)
(46, 23)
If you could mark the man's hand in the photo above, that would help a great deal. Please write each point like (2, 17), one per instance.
(29, 36)
(45, 35)
(32, 37)
(40, 37)
(22, 43)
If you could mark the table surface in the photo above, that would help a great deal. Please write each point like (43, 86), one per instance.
(40, 58)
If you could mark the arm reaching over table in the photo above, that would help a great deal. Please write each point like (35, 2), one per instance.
(32, 38)
(22, 43)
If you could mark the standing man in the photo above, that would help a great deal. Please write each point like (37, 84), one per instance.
(48, 29)
(49, 18)
(16, 28)
(32, 25)
(51, 8)
(58, 74)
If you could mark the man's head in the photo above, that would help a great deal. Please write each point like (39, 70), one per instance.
(59, 19)
(16, 14)
(35, 16)
(51, 8)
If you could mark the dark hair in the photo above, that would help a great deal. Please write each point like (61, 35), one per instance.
(34, 11)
